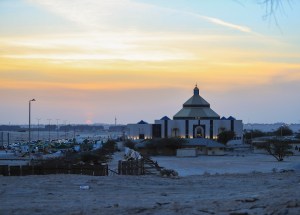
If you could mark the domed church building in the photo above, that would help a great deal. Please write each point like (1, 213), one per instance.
(195, 120)
(196, 108)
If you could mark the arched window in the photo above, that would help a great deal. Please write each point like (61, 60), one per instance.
(199, 133)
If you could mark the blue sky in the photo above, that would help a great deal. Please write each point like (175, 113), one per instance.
(89, 61)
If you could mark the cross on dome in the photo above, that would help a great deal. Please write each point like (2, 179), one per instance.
(196, 90)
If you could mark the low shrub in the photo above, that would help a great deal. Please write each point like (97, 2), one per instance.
(130, 144)
(168, 173)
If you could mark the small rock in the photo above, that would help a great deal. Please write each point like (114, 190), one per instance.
(286, 170)
(162, 203)
(84, 187)
(247, 200)
(292, 204)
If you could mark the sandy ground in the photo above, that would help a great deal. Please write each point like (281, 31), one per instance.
(208, 185)
(243, 163)
(259, 193)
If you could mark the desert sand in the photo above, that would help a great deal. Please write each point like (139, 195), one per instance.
(253, 193)
(248, 184)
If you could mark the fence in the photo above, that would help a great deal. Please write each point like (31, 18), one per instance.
(133, 167)
(45, 169)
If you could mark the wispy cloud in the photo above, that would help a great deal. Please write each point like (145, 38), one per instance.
(106, 46)
(154, 56)
(227, 24)
(104, 40)
(92, 13)
(100, 14)
(214, 20)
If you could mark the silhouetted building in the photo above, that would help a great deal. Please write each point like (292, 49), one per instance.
(195, 120)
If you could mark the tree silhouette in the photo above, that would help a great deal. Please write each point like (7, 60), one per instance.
(283, 131)
(277, 148)
(272, 7)
(225, 136)
(248, 135)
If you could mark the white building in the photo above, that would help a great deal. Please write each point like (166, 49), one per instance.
(195, 120)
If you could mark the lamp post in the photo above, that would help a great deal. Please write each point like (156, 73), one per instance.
(29, 138)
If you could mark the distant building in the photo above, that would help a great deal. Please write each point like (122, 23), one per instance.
(117, 128)
(195, 120)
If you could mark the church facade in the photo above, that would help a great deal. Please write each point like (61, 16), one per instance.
(195, 120)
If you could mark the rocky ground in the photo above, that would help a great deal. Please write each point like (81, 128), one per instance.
(253, 193)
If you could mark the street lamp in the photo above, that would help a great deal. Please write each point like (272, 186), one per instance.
(29, 138)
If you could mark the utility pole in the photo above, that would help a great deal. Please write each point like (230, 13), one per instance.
(38, 128)
(8, 140)
(49, 120)
(57, 128)
(74, 132)
(65, 122)
(281, 129)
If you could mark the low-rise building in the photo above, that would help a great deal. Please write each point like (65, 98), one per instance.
(195, 120)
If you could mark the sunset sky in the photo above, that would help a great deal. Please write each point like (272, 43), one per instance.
(89, 61)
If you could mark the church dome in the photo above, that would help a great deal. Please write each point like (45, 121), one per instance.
(196, 108)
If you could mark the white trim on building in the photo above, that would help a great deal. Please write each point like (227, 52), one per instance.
(195, 120)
